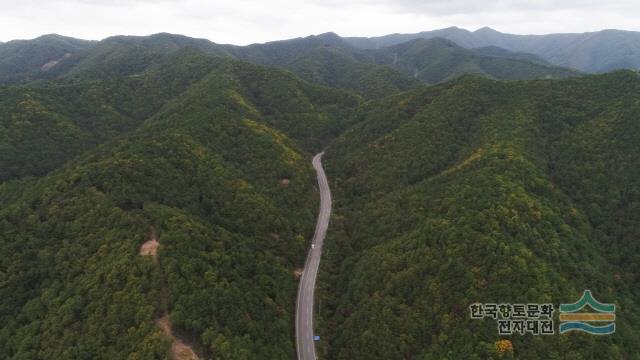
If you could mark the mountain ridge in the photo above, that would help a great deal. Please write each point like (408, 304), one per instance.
(325, 59)
(595, 52)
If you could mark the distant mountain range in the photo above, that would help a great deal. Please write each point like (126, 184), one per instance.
(325, 59)
(594, 52)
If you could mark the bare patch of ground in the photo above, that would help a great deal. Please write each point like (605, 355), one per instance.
(52, 63)
(150, 247)
(179, 350)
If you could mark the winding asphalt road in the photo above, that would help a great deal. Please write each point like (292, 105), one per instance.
(304, 306)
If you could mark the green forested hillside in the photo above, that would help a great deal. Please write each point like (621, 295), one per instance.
(46, 124)
(130, 55)
(483, 191)
(54, 56)
(43, 125)
(25, 60)
(335, 68)
(212, 161)
(327, 59)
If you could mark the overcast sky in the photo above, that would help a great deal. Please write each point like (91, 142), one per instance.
(247, 21)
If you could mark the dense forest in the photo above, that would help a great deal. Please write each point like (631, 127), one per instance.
(483, 191)
(470, 190)
(207, 151)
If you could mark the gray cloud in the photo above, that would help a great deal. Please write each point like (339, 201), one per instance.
(470, 7)
(246, 21)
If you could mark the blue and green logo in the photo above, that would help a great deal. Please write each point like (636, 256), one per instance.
(573, 319)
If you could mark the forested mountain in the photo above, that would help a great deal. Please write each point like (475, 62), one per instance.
(594, 52)
(113, 56)
(321, 59)
(484, 191)
(329, 59)
(436, 60)
(206, 152)
(128, 55)
(45, 125)
(23, 60)
(325, 59)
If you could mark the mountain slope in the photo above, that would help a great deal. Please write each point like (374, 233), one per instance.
(483, 191)
(23, 60)
(217, 172)
(496, 51)
(54, 56)
(436, 60)
(337, 69)
(44, 125)
(327, 59)
(129, 55)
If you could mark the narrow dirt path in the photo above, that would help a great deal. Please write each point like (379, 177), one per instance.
(179, 350)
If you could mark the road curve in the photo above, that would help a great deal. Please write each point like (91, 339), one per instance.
(304, 305)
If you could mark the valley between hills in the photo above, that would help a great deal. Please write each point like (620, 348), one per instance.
(157, 196)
